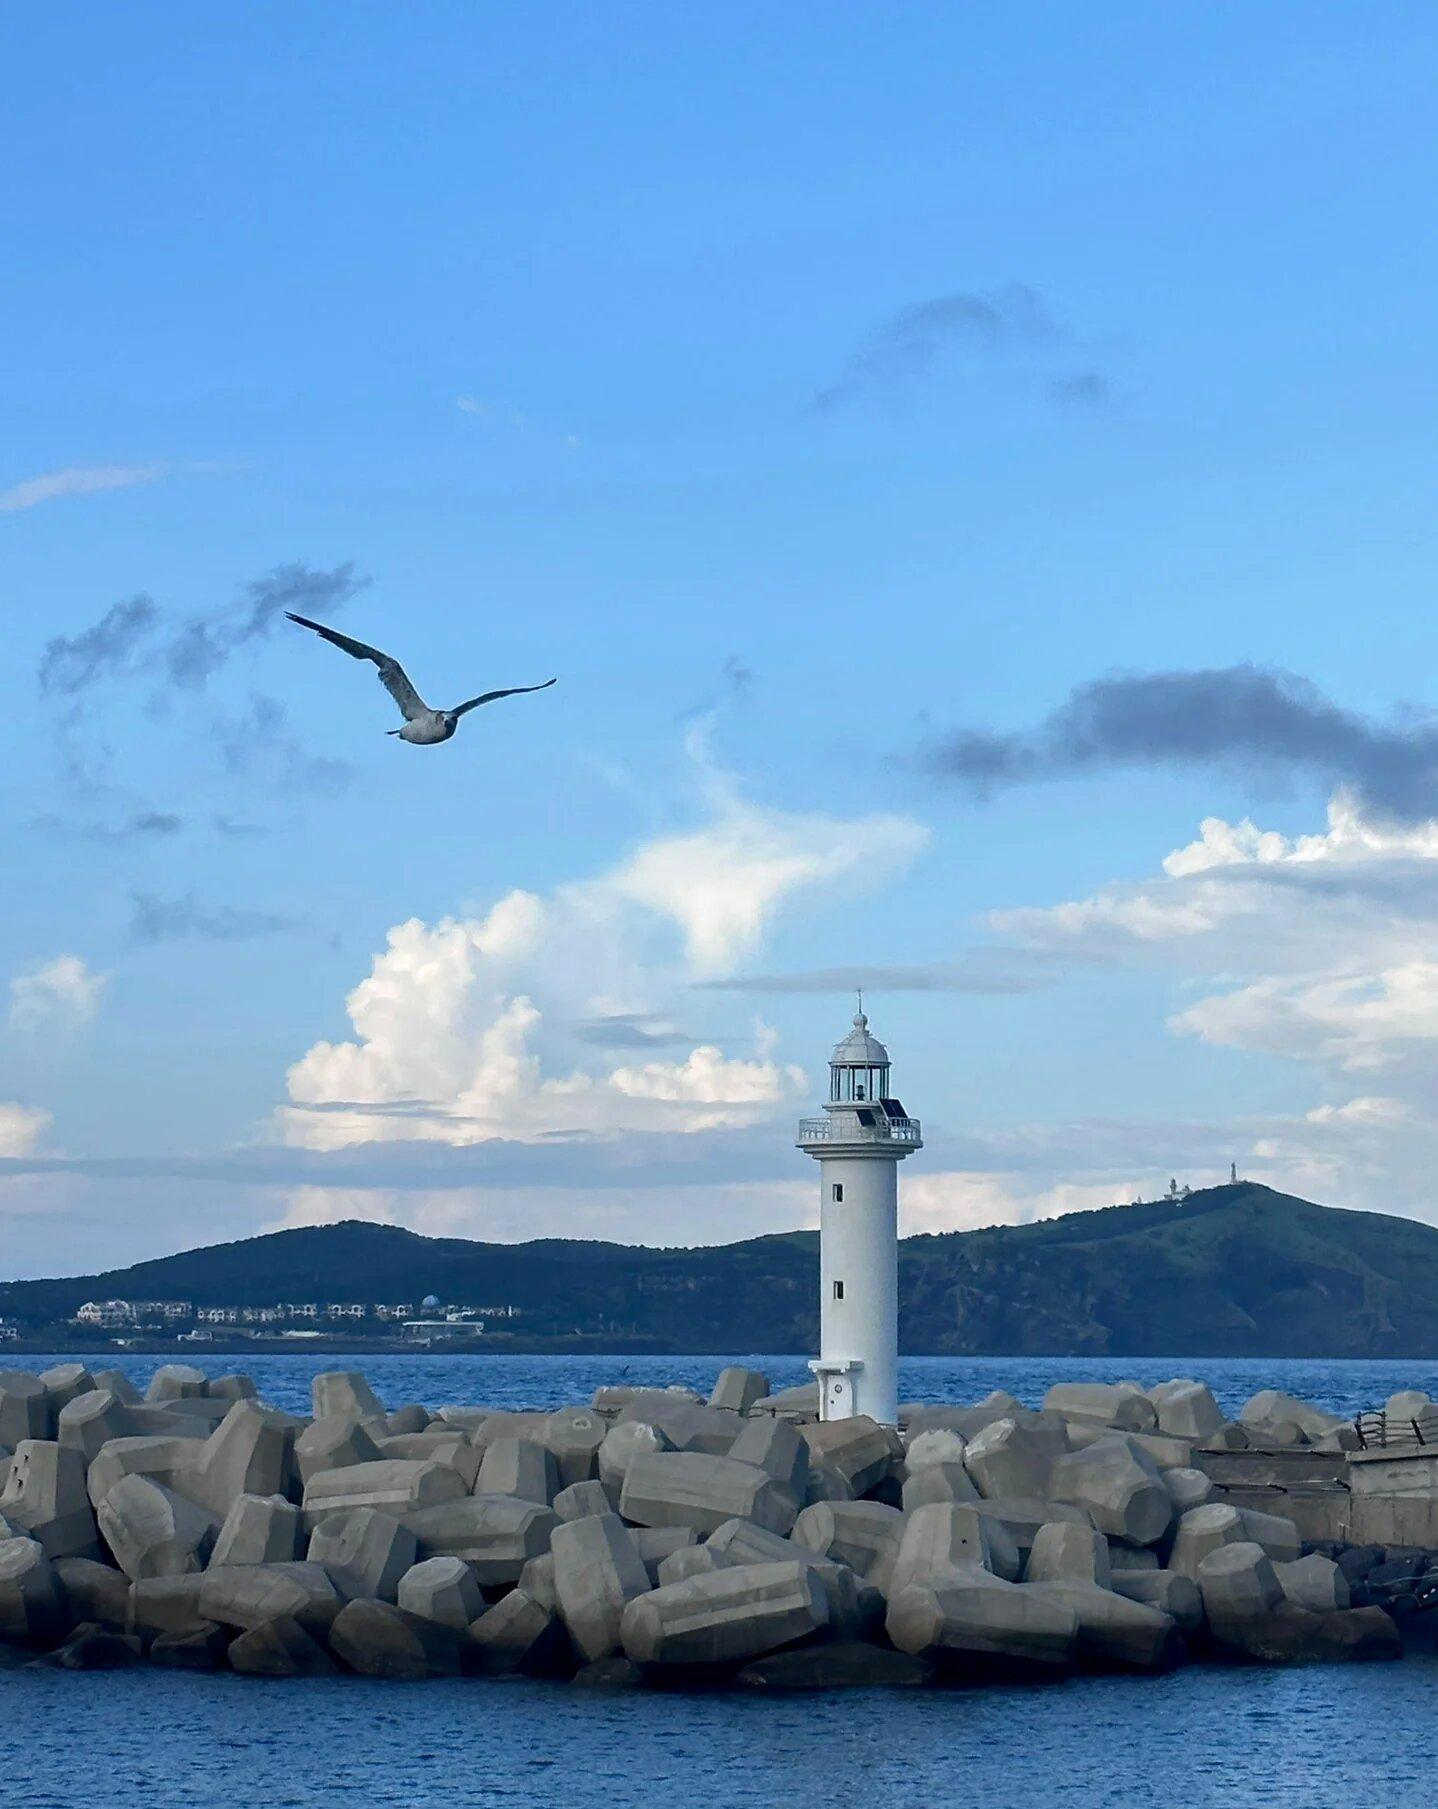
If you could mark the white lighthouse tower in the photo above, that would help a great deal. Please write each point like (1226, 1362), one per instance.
(859, 1143)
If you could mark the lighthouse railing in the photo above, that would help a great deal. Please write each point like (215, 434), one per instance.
(845, 1128)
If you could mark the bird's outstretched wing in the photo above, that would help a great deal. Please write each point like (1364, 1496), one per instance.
(489, 696)
(391, 674)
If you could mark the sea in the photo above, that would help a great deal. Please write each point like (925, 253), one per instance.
(1302, 1738)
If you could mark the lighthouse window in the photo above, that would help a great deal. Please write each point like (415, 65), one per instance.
(837, 1193)
(838, 1290)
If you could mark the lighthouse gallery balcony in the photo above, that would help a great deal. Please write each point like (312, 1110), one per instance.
(864, 1124)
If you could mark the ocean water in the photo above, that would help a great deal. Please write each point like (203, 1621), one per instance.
(1305, 1738)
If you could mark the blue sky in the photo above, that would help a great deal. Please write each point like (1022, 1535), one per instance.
(804, 388)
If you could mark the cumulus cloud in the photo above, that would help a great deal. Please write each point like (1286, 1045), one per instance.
(1266, 726)
(22, 1128)
(472, 1029)
(60, 995)
(1314, 949)
(76, 480)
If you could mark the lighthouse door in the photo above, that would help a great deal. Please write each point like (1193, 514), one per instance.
(838, 1396)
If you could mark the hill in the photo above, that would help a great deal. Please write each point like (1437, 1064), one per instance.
(1232, 1271)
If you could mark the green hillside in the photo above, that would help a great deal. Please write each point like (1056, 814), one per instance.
(1232, 1271)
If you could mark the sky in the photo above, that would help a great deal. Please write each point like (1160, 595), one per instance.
(971, 471)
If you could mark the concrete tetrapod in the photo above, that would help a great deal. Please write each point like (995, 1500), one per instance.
(969, 1614)
(731, 1615)
(1239, 1588)
(95, 1592)
(45, 1496)
(1116, 1630)
(177, 1382)
(1121, 1492)
(1107, 1403)
(379, 1640)
(774, 1446)
(1203, 1530)
(521, 1467)
(582, 1499)
(1314, 1582)
(1008, 1458)
(691, 1488)
(856, 1608)
(937, 1446)
(622, 1444)
(64, 1383)
(574, 1435)
(259, 1529)
(859, 1449)
(1174, 1595)
(364, 1551)
(738, 1389)
(332, 1443)
(865, 1535)
(346, 1393)
(152, 1531)
(941, 1536)
(496, 1534)
(32, 1607)
(244, 1595)
(393, 1485)
(597, 1572)
(24, 1408)
(280, 1647)
(165, 1604)
(687, 1425)
(442, 1589)
(937, 1482)
(1065, 1553)
(1186, 1410)
(521, 1634)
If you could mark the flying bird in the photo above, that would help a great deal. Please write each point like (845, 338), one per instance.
(423, 727)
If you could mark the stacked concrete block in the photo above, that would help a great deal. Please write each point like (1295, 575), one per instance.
(258, 1529)
(865, 1535)
(1119, 1490)
(622, 1444)
(936, 1483)
(1239, 1588)
(1203, 1530)
(690, 1488)
(165, 1604)
(656, 1543)
(1124, 1408)
(1115, 1630)
(1174, 1595)
(859, 1449)
(244, 1595)
(1187, 1410)
(581, 1499)
(280, 1647)
(726, 1617)
(1187, 1488)
(1009, 1458)
(394, 1485)
(332, 1443)
(32, 1602)
(597, 1572)
(344, 1393)
(1065, 1553)
(378, 1639)
(774, 1446)
(364, 1551)
(64, 1383)
(736, 1389)
(968, 1614)
(574, 1435)
(937, 1446)
(687, 1425)
(94, 1591)
(1314, 1582)
(153, 1532)
(24, 1408)
(520, 1633)
(177, 1382)
(521, 1467)
(45, 1497)
(442, 1589)
(945, 1536)
(446, 1447)
(496, 1535)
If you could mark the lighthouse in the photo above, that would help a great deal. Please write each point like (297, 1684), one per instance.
(859, 1142)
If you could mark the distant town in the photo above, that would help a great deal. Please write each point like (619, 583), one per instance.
(181, 1319)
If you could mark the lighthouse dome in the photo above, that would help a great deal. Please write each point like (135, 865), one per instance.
(859, 1049)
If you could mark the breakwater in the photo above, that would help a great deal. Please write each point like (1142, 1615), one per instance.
(652, 1535)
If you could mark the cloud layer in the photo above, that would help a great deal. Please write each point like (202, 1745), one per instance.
(1264, 725)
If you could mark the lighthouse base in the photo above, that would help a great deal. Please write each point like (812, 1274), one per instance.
(836, 1386)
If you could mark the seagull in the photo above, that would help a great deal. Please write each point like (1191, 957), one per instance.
(423, 727)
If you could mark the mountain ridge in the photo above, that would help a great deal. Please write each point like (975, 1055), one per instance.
(1239, 1270)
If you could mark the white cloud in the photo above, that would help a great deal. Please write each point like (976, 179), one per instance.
(76, 480)
(471, 1029)
(62, 994)
(22, 1128)
(962, 1200)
